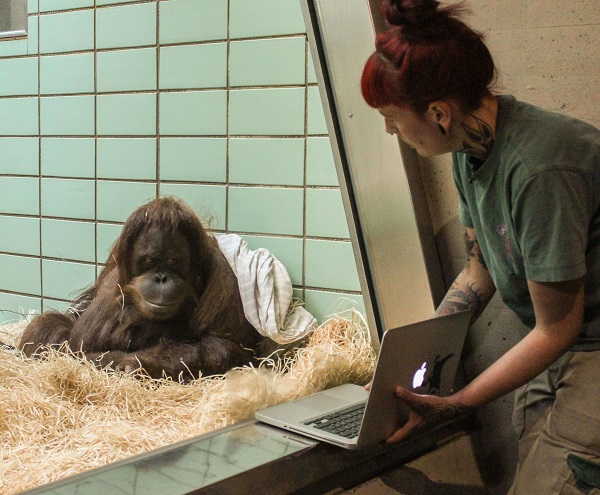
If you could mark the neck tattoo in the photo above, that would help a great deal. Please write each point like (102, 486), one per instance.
(480, 139)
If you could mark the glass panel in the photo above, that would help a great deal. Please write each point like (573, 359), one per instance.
(186, 467)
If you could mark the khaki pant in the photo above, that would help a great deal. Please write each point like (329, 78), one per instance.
(556, 414)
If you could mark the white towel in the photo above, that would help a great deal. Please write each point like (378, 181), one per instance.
(266, 291)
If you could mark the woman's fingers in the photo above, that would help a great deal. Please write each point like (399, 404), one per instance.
(425, 411)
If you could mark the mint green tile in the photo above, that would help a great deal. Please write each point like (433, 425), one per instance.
(266, 210)
(127, 158)
(66, 280)
(67, 115)
(193, 113)
(33, 6)
(267, 62)
(19, 116)
(265, 18)
(126, 70)
(52, 5)
(110, 2)
(20, 235)
(106, 235)
(278, 111)
(193, 66)
(324, 305)
(19, 76)
(286, 250)
(60, 74)
(320, 167)
(14, 47)
(316, 118)
(19, 155)
(54, 305)
(266, 161)
(70, 240)
(67, 31)
(208, 201)
(192, 20)
(331, 265)
(126, 25)
(15, 307)
(33, 32)
(325, 216)
(20, 274)
(68, 157)
(193, 159)
(20, 195)
(68, 198)
(117, 200)
(127, 114)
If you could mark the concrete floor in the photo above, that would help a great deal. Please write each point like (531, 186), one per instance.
(451, 469)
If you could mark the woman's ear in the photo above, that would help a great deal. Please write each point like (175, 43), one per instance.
(440, 114)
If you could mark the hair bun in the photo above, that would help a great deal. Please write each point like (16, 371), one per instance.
(409, 12)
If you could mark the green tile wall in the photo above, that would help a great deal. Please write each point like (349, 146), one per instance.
(108, 104)
(19, 155)
(126, 70)
(67, 157)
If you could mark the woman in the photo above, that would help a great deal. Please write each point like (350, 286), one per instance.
(529, 187)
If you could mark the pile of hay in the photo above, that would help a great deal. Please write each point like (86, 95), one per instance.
(59, 416)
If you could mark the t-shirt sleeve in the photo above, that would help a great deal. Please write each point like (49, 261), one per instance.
(463, 209)
(551, 214)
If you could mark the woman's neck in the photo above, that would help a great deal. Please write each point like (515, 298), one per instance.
(479, 129)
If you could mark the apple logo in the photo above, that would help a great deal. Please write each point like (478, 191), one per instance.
(419, 377)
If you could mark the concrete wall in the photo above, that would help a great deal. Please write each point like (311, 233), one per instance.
(547, 53)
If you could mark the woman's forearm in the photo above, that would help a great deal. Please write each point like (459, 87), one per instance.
(559, 309)
(473, 287)
(527, 359)
(467, 292)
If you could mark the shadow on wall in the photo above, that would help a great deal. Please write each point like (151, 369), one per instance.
(411, 481)
(494, 332)
(495, 443)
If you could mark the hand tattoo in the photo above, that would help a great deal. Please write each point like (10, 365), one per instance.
(436, 414)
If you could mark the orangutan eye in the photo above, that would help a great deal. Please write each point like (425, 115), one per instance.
(148, 261)
(172, 261)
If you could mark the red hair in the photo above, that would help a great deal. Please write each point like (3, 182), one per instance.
(429, 55)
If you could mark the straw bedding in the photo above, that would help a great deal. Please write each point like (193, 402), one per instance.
(59, 416)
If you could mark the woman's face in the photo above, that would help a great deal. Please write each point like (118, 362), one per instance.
(419, 131)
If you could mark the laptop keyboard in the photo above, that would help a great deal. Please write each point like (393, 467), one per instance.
(345, 422)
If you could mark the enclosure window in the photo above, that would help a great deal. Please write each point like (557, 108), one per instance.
(13, 18)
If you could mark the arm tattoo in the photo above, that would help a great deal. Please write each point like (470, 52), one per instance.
(458, 300)
(480, 139)
(473, 250)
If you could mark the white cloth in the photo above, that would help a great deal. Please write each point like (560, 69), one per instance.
(266, 291)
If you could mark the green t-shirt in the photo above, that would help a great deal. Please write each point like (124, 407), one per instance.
(535, 207)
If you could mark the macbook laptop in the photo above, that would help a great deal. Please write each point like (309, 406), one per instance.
(422, 357)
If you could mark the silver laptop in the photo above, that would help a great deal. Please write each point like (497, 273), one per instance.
(422, 357)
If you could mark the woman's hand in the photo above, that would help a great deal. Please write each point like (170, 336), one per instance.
(426, 411)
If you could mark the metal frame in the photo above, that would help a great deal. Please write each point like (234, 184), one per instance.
(388, 217)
